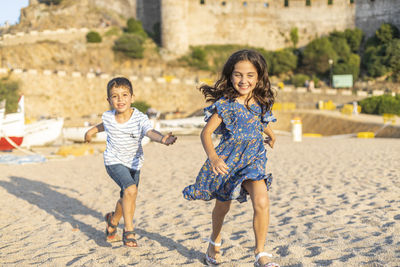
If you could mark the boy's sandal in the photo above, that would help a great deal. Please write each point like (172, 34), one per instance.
(209, 260)
(129, 242)
(269, 264)
(108, 217)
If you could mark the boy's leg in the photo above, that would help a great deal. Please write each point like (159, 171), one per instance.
(117, 214)
(221, 208)
(259, 198)
(128, 208)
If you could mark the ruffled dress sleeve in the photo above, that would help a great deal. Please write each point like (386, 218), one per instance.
(223, 107)
(267, 118)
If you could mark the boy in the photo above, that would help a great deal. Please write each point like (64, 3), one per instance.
(123, 157)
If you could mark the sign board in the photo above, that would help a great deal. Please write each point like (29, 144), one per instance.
(342, 81)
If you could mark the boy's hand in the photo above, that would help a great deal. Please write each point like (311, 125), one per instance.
(270, 141)
(88, 137)
(168, 139)
(218, 166)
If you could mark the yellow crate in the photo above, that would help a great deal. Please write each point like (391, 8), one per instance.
(365, 135)
(75, 150)
(347, 109)
(207, 81)
(387, 117)
(277, 107)
(168, 78)
(289, 106)
(329, 105)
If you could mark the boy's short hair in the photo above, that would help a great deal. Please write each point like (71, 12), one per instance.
(119, 82)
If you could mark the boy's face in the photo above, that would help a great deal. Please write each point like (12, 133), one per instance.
(120, 99)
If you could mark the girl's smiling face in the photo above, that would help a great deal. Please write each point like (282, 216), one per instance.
(244, 78)
(120, 99)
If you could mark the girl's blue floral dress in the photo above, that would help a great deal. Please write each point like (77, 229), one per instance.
(242, 149)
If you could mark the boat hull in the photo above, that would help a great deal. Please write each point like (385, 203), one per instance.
(5, 145)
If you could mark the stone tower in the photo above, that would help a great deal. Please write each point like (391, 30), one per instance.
(174, 32)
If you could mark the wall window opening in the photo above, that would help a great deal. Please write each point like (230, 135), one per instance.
(308, 2)
(286, 3)
(202, 2)
(330, 2)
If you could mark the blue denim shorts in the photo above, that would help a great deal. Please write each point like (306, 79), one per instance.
(123, 176)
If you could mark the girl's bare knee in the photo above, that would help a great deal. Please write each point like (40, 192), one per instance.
(222, 208)
(261, 204)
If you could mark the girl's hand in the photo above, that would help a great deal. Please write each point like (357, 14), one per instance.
(270, 141)
(168, 139)
(218, 166)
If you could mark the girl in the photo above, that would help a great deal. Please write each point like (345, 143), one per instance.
(241, 111)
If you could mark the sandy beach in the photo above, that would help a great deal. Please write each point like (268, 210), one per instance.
(334, 202)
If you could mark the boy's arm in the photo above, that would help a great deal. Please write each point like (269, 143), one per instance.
(156, 136)
(92, 131)
(217, 164)
(270, 139)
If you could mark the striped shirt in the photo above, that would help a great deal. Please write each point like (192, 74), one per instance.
(124, 140)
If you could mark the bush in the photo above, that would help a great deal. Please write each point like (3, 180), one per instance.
(93, 37)
(299, 80)
(112, 31)
(142, 106)
(135, 26)
(9, 92)
(381, 104)
(130, 44)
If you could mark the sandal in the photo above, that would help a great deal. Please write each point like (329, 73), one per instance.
(127, 240)
(208, 260)
(108, 217)
(269, 264)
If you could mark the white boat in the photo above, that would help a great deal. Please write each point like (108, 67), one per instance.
(77, 134)
(14, 133)
(12, 126)
(183, 126)
(42, 132)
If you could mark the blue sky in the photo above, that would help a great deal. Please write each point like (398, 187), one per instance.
(10, 10)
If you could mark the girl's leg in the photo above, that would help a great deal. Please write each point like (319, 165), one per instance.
(259, 198)
(128, 208)
(221, 208)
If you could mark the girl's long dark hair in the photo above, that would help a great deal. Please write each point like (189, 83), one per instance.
(262, 93)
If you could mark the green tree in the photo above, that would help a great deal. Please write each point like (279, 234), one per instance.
(9, 91)
(283, 61)
(354, 38)
(387, 32)
(130, 44)
(93, 37)
(299, 80)
(352, 66)
(316, 56)
(294, 36)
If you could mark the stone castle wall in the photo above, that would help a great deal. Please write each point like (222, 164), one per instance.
(263, 23)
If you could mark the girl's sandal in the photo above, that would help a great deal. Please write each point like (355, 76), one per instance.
(209, 260)
(269, 264)
(110, 235)
(129, 242)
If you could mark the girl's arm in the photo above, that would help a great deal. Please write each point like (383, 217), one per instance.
(156, 136)
(217, 164)
(92, 131)
(270, 139)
